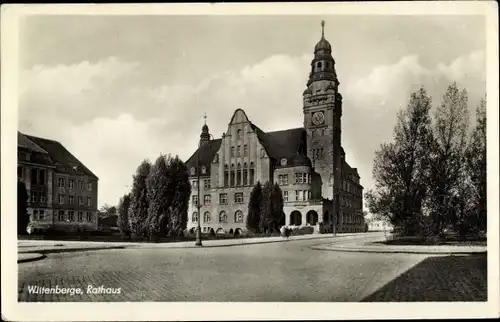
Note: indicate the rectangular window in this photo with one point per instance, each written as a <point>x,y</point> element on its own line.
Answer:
<point>238,197</point>
<point>71,184</point>
<point>34,176</point>
<point>80,216</point>
<point>60,217</point>
<point>41,174</point>
<point>309,178</point>
<point>305,177</point>
<point>251,177</point>
<point>195,200</point>
<point>61,199</point>
<point>238,178</point>
<point>89,216</point>
<point>283,179</point>
<point>245,177</point>
<point>71,215</point>
<point>245,150</point>
<point>238,151</point>
<point>223,198</point>
<point>206,183</point>
<point>297,195</point>
<point>41,215</point>
<point>80,200</point>
<point>42,197</point>
<point>35,214</point>
<point>232,151</point>
<point>33,196</point>
<point>89,186</point>
<point>194,184</point>
<point>60,182</point>
<point>207,200</point>
<point>232,178</point>
<point>89,201</point>
<point>299,178</point>
<point>226,178</point>
<point>81,184</point>
<point>309,195</point>
<point>71,200</point>
<point>285,195</point>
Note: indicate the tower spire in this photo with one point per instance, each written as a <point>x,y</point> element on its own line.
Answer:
<point>205,117</point>
<point>322,28</point>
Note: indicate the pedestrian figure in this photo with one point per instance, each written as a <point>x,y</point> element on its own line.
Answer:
<point>285,232</point>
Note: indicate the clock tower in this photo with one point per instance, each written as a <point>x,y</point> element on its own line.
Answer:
<point>322,112</point>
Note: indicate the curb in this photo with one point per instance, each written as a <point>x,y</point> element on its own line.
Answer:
<point>398,251</point>
<point>34,257</point>
<point>68,250</point>
<point>239,244</point>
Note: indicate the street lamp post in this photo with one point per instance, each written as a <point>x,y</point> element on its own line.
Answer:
<point>198,203</point>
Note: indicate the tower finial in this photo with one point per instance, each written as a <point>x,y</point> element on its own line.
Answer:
<point>205,117</point>
<point>322,28</point>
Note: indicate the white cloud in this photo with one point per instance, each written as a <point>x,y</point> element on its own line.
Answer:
<point>110,116</point>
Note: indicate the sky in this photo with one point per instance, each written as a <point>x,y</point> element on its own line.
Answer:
<point>116,90</point>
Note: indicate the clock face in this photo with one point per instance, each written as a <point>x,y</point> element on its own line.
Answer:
<point>318,118</point>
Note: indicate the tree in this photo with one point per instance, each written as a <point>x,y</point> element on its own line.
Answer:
<point>266,207</point>
<point>447,197</point>
<point>159,195</point>
<point>107,210</point>
<point>476,168</point>
<point>253,218</point>
<point>123,217</point>
<point>138,210</point>
<point>401,167</point>
<point>180,190</point>
<point>22,208</point>
<point>277,203</point>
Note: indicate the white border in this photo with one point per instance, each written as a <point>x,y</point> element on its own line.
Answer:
<point>235,311</point>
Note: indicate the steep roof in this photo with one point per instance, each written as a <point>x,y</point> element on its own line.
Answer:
<point>206,153</point>
<point>64,161</point>
<point>286,144</point>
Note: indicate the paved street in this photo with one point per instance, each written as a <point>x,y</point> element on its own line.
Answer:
<point>285,271</point>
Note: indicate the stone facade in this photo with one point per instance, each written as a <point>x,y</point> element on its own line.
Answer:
<point>62,191</point>
<point>300,160</point>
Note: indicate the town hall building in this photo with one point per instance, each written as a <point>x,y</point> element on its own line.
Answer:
<point>300,160</point>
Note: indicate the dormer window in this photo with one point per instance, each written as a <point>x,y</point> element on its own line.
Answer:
<point>216,158</point>
<point>283,162</point>
<point>193,171</point>
<point>203,169</point>
<point>262,152</point>
<point>238,136</point>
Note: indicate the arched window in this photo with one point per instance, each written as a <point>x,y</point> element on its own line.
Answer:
<point>251,164</point>
<point>207,218</point>
<point>239,135</point>
<point>226,166</point>
<point>216,158</point>
<point>223,217</point>
<point>195,217</point>
<point>193,171</point>
<point>238,216</point>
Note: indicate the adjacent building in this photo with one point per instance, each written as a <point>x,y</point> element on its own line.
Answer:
<point>62,191</point>
<point>300,160</point>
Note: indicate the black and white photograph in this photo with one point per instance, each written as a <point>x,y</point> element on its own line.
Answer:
<point>234,154</point>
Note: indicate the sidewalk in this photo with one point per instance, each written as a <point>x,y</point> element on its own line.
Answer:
<point>50,246</point>
<point>371,247</point>
<point>29,257</point>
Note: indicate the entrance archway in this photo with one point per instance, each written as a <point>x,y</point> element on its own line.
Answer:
<point>295,218</point>
<point>312,217</point>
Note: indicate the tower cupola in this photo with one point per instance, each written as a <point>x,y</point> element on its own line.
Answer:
<point>322,66</point>
<point>205,134</point>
